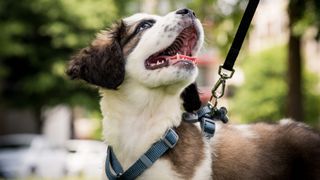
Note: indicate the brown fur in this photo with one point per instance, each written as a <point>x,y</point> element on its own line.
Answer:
<point>289,151</point>
<point>189,151</point>
<point>102,63</point>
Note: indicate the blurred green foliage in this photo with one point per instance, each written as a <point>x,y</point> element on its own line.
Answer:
<point>263,94</point>
<point>37,39</point>
<point>305,14</point>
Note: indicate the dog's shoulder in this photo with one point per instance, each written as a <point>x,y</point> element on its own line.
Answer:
<point>191,157</point>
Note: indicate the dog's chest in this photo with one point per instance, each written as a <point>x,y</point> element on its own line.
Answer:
<point>133,134</point>
<point>189,159</point>
<point>161,169</point>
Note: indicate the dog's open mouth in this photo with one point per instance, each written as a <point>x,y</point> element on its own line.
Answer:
<point>180,51</point>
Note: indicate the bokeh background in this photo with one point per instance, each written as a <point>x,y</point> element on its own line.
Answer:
<point>47,115</point>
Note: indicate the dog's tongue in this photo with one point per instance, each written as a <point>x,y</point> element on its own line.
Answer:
<point>183,57</point>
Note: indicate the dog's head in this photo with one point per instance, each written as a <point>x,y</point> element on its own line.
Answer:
<point>152,51</point>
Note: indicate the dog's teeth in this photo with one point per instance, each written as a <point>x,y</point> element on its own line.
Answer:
<point>178,56</point>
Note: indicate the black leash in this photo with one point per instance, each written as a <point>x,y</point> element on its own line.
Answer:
<point>208,114</point>
<point>226,70</point>
<point>240,35</point>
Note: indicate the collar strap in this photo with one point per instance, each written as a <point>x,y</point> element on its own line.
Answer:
<point>114,169</point>
<point>207,115</point>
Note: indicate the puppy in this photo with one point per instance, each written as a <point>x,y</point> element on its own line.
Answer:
<point>144,67</point>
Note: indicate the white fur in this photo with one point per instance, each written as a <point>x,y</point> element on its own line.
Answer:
<point>160,170</point>
<point>286,121</point>
<point>148,102</point>
<point>154,40</point>
<point>133,122</point>
<point>246,131</point>
<point>214,142</point>
<point>204,171</point>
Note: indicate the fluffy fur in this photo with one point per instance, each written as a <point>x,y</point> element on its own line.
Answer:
<point>139,105</point>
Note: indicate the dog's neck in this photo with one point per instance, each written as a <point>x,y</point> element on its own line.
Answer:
<point>135,118</point>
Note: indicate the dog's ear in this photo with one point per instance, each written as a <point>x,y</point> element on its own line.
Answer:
<point>102,63</point>
<point>191,98</point>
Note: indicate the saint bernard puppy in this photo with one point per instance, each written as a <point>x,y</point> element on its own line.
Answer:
<point>145,67</point>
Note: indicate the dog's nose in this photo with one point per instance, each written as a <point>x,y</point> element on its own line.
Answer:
<point>186,11</point>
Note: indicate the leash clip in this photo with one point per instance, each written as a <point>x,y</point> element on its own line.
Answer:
<point>220,86</point>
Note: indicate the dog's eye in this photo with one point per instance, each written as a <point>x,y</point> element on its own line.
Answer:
<point>145,25</point>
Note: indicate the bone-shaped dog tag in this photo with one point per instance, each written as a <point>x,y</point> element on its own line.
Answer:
<point>221,114</point>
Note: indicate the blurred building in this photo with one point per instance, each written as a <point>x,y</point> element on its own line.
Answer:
<point>270,25</point>
<point>57,125</point>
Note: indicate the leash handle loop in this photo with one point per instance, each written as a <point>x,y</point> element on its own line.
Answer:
<point>225,73</point>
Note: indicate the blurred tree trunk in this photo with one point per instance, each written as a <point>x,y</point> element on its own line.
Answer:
<point>294,107</point>
<point>294,101</point>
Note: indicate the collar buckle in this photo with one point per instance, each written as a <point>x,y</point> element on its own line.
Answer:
<point>170,138</point>
<point>208,127</point>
